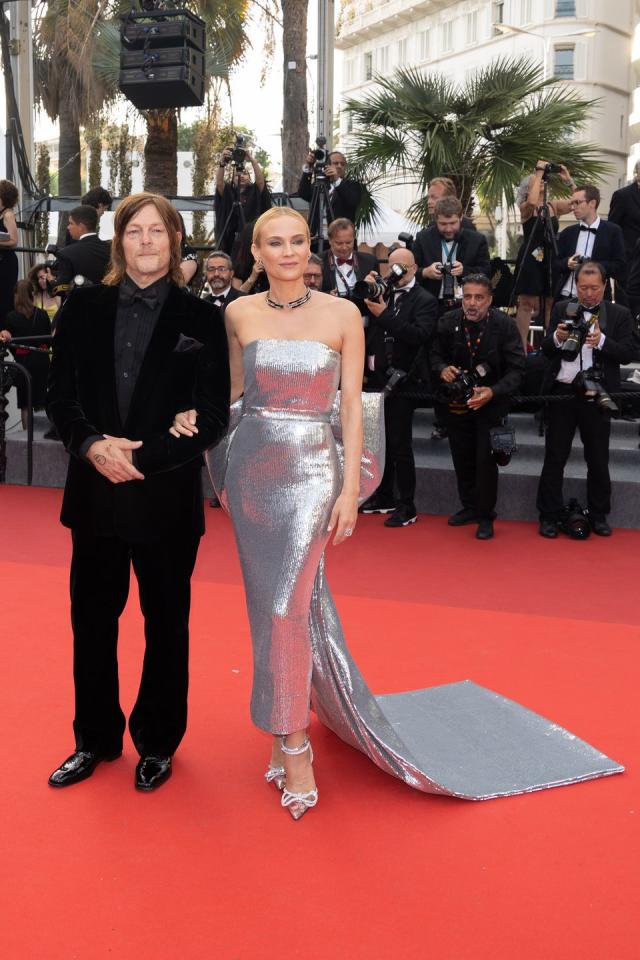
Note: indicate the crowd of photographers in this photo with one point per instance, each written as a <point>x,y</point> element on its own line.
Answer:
<point>433,335</point>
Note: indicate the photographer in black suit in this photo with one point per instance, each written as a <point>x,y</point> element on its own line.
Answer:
<point>345,194</point>
<point>485,343</point>
<point>591,238</point>
<point>604,341</point>
<point>133,493</point>
<point>624,210</point>
<point>342,264</point>
<point>86,256</point>
<point>400,330</point>
<point>445,253</point>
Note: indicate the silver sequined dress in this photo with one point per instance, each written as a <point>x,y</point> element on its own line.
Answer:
<point>279,473</point>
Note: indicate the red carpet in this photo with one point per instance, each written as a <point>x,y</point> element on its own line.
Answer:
<point>210,867</point>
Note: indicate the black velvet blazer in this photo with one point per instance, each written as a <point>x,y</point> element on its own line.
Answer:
<point>82,402</point>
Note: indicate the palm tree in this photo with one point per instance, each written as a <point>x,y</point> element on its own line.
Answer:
<point>485,134</point>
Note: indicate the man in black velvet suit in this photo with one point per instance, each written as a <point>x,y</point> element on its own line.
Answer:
<point>609,343</point>
<point>591,238</point>
<point>133,494</point>
<point>446,243</point>
<point>86,256</point>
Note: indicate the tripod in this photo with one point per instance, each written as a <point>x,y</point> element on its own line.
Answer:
<point>543,233</point>
<point>236,209</point>
<point>320,211</point>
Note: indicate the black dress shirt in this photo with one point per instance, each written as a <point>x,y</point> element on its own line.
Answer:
<point>136,318</point>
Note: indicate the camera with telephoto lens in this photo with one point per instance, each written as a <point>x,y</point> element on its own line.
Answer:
<point>575,521</point>
<point>321,155</point>
<point>588,384</point>
<point>381,286</point>
<point>449,283</point>
<point>578,329</point>
<point>461,389</point>
<point>238,153</point>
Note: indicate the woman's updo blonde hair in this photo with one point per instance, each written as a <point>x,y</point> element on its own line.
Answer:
<point>273,214</point>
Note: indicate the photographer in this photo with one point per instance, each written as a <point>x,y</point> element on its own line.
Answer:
<point>344,193</point>
<point>441,187</point>
<point>253,197</point>
<point>591,238</point>
<point>484,343</point>
<point>445,252</point>
<point>342,264</point>
<point>402,325</point>
<point>601,335</point>
<point>87,256</point>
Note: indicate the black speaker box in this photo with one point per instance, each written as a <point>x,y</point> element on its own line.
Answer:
<point>156,57</point>
<point>180,26</point>
<point>163,87</point>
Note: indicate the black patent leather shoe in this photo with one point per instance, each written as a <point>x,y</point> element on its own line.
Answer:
<point>600,527</point>
<point>151,772</point>
<point>548,529</point>
<point>404,516</point>
<point>485,529</point>
<point>79,766</point>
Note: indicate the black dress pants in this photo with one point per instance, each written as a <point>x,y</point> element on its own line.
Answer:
<point>474,464</point>
<point>100,572</point>
<point>595,428</point>
<point>399,464</point>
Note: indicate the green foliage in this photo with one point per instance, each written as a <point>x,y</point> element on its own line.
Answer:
<point>485,134</point>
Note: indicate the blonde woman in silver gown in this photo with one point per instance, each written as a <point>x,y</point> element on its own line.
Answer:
<point>290,488</point>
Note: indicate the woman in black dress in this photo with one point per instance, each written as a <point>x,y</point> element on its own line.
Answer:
<point>8,240</point>
<point>27,320</point>
<point>532,286</point>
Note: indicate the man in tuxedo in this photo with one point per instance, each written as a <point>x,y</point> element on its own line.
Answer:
<point>446,243</point>
<point>400,330</point>
<point>342,264</point>
<point>479,339</point>
<point>624,210</point>
<point>133,494</point>
<point>344,193</point>
<point>441,187</point>
<point>86,256</point>
<point>218,269</point>
<point>609,343</point>
<point>591,238</point>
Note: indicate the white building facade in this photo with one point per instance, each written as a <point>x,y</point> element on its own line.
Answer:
<point>592,45</point>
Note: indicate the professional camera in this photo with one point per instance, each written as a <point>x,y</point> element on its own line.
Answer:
<point>461,389</point>
<point>588,384</point>
<point>575,521</point>
<point>395,377</point>
<point>407,239</point>
<point>551,168</point>
<point>321,155</point>
<point>380,287</point>
<point>449,283</point>
<point>578,330</point>
<point>238,153</point>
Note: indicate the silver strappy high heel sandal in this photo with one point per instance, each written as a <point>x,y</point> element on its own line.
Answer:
<point>298,803</point>
<point>276,775</point>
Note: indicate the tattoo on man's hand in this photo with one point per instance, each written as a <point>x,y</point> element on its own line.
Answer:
<point>99,459</point>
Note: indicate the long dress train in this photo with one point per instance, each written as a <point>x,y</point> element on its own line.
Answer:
<point>278,473</point>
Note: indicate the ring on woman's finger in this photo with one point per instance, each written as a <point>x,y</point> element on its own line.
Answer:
<point>348,532</point>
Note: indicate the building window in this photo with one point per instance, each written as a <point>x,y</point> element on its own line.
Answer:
<point>472,27</point>
<point>382,60</point>
<point>565,8</point>
<point>498,16</point>
<point>368,66</point>
<point>423,44</point>
<point>447,36</point>
<point>526,11</point>
<point>563,67</point>
<point>403,51</point>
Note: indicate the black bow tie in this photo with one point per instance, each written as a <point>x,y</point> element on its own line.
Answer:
<point>588,229</point>
<point>150,299</point>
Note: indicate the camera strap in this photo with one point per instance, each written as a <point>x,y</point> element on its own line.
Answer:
<point>448,252</point>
